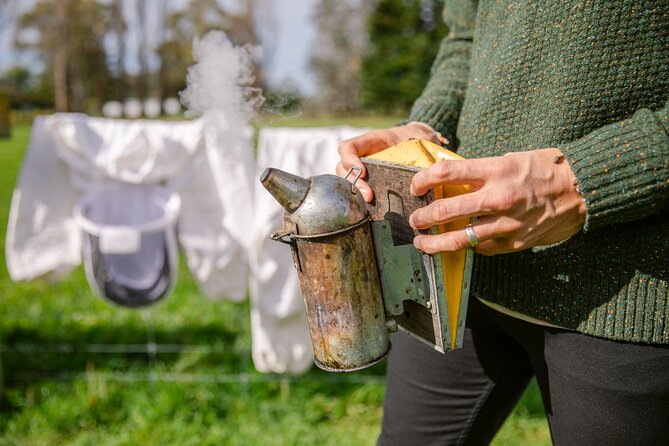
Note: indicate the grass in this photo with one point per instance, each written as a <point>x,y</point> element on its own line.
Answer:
<point>62,387</point>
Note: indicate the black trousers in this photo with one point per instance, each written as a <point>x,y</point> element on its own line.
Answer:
<point>595,391</point>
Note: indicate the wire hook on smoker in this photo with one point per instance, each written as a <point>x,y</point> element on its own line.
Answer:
<point>357,177</point>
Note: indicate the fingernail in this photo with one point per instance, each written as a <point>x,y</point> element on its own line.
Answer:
<point>411,221</point>
<point>416,243</point>
<point>366,193</point>
<point>412,190</point>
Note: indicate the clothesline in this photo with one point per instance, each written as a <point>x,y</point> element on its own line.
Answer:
<point>225,220</point>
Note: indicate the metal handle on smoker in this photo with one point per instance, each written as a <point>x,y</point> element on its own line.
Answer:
<point>283,236</point>
<point>357,177</point>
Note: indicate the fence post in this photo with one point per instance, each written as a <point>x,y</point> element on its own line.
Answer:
<point>2,374</point>
<point>5,129</point>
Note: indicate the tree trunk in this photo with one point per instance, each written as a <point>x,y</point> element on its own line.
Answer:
<point>159,74</point>
<point>119,30</point>
<point>60,86</point>
<point>142,76</point>
<point>5,129</point>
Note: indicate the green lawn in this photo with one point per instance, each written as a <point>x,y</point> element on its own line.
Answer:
<point>66,382</point>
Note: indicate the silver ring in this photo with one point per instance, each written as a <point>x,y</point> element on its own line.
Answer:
<point>473,239</point>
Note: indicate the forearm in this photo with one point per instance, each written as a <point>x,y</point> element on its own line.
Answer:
<point>441,101</point>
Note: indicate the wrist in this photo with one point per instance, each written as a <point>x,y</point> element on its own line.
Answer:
<point>570,189</point>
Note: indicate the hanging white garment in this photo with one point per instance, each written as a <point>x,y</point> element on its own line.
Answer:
<point>69,154</point>
<point>216,209</point>
<point>280,335</point>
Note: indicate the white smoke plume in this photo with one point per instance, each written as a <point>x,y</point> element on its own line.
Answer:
<point>221,79</point>
<point>219,87</point>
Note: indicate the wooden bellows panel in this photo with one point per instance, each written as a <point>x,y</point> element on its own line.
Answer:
<point>394,204</point>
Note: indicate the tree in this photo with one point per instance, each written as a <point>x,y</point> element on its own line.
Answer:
<point>119,27</point>
<point>25,89</point>
<point>404,39</point>
<point>70,40</point>
<point>338,52</point>
<point>18,79</point>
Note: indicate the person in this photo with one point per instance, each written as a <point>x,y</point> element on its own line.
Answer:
<point>561,111</point>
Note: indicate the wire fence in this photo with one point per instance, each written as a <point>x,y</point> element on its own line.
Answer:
<point>153,372</point>
<point>152,350</point>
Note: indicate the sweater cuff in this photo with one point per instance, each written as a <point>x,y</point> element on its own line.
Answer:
<point>621,171</point>
<point>439,113</point>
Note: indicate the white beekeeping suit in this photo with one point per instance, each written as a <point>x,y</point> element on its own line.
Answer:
<point>70,154</point>
<point>281,340</point>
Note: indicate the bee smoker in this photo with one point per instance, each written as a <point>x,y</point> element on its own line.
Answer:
<point>359,272</point>
<point>327,227</point>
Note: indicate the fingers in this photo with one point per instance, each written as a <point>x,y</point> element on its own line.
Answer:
<point>495,235</point>
<point>352,149</point>
<point>421,130</point>
<point>361,184</point>
<point>449,209</point>
<point>484,229</point>
<point>526,200</point>
<point>472,171</point>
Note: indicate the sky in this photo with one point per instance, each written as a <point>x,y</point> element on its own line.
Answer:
<point>285,29</point>
<point>295,33</point>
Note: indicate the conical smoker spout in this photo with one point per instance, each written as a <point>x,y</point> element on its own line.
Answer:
<point>288,189</point>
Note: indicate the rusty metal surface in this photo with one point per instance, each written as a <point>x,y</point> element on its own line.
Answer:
<point>327,226</point>
<point>342,294</point>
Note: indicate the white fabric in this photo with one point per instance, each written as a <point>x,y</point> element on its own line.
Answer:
<point>216,209</point>
<point>281,340</point>
<point>69,154</point>
<point>225,220</point>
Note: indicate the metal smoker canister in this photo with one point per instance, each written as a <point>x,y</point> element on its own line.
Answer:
<point>327,226</point>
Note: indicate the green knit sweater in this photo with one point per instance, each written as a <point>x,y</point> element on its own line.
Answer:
<point>592,78</point>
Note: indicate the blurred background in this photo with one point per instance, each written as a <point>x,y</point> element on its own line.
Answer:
<point>75,369</point>
<point>333,57</point>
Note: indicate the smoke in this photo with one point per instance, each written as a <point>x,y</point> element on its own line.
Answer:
<point>219,87</point>
<point>221,80</point>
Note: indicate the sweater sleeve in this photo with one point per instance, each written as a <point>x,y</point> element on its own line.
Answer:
<point>440,103</point>
<point>622,169</point>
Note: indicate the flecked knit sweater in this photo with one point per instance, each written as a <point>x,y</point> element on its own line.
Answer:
<point>592,78</point>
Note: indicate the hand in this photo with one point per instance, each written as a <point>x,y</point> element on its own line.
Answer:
<point>522,199</point>
<point>352,149</point>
